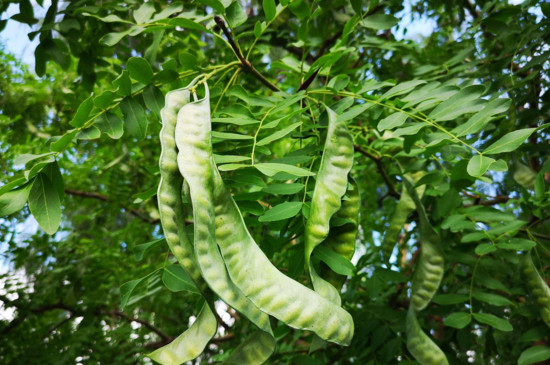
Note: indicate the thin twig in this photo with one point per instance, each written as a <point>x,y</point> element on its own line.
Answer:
<point>245,64</point>
<point>380,166</point>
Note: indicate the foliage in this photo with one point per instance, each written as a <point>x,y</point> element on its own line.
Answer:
<point>450,143</point>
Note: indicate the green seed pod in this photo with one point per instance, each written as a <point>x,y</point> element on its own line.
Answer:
<point>330,186</point>
<point>342,239</point>
<point>269,289</point>
<point>538,286</point>
<point>424,350</point>
<point>430,267</point>
<point>195,161</point>
<point>192,342</point>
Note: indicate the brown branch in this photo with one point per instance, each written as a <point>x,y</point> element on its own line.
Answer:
<point>245,64</point>
<point>146,324</point>
<point>104,198</point>
<point>495,200</point>
<point>380,166</point>
<point>309,80</point>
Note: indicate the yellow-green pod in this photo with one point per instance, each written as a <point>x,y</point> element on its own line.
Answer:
<point>537,285</point>
<point>192,342</point>
<point>423,349</point>
<point>195,161</point>
<point>330,186</point>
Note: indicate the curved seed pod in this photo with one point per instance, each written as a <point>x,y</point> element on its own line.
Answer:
<point>169,191</point>
<point>424,350</point>
<point>342,239</point>
<point>397,221</point>
<point>272,291</point>
<point>430,267</point>
<point>330,186</point>
<point>538,286</point>
<point>195,160</point>
<point>399,218</point>
<point>190,343</point>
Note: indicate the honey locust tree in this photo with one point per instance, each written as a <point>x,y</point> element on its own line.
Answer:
<point>447,203</point>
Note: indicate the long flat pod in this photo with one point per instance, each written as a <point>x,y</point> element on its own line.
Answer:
<point>330,186</point>
<point>430,267</point>
<point>399,217</point>
<point>538,286</point>
<point>272,291</point>
<point>192,342</point>
<point>342,239</point>
<point>194,161</point>
<point>424,350</point>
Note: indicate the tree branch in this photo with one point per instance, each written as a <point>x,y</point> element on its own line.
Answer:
<point>380,166</point>
<point>104,198</point>
<point>245,64</point>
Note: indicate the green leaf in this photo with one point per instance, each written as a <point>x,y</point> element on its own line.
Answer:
<point>135,118</point>
<point>493,299</point>
<point>509,142</point>
<point>494,321</point>
<point>379,21</point>
<point>229,158</point>
<point>44,204</point>
<point>516,244</point>
<point>123,83</point>
<point>465,101</point>
<point>154,99</point>
<point>62,143</point>
<point>479,164</point>
<point>140,70</point>
<point>230,136</point>
<point>480,119</point>
<point>484,249</point>
<point>141,249</point>
<point>271,169</point>
<point>54,174</point>
<point>284,189</point>
<point>173,8</point>
<point>128,288</point>
<point>402,88</point>
<point>534,355</point>
<point>214,4</point>
<point>282,211</point>
<point>449,299</point>
<point>232,166</point>
<point>176,279</point>
<point>144,12</point>
<point>110,124</point>
<point>392,121</point>
<point>278,134</point>
<point>104,100</point>
<point>458,320</point>
<point>338,263</point>
<point>14,200</point>
<point>82,113</point>
<point>26,157</point>
<point>270,9</point>
<point>235,14</point>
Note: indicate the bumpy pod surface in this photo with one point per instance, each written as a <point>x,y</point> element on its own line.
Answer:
<point>402,210</point>
<point>424,350</point>
<point>430,267</point>
<point>330,186</point>
<point>341,239</point>
<point>272,291</point>
<point>537,285</point>
<point>192,342</point>
<point>195,161</point>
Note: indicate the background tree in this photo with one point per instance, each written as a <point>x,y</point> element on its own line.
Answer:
<point>450,112</point>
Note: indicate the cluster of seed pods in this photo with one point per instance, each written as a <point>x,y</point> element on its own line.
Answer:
<point>224,261</point>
